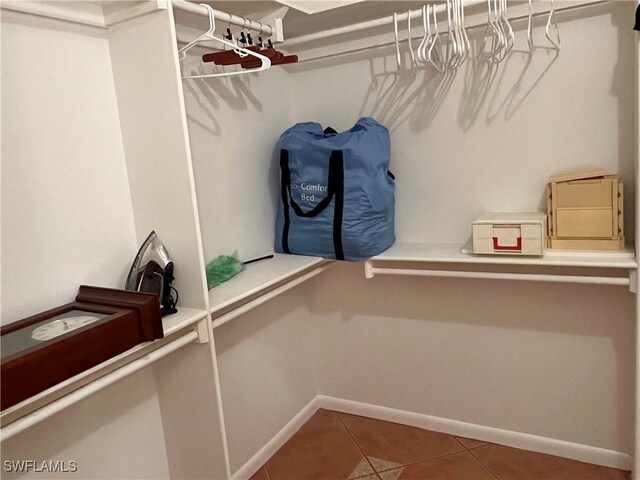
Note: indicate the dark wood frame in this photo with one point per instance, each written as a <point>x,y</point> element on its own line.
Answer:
<point>132,318</point>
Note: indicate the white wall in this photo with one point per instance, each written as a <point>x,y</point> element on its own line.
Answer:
<point>534,358</point>
<point>66,210</point>
<point>234,124</point>
<point>267,360</point>
<point>114,434</point>
<point>154,127</point>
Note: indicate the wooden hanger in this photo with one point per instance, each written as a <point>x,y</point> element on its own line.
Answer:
<point>281,61</point>
<point>230,57</point>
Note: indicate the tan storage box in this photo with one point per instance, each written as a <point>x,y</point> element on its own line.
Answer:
<point>585,211</point>
<point>510,233</point>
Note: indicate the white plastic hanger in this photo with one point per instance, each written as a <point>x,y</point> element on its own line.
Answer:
<point>452,46</point>
<point>509,32</point>
<point>438,62</point>
<point>429,37</point>
<point>457,35</point>
<point>497,20</point>
<point>496,38</point>
<point>552,18</point>
<point>530,28</point>
<point>463,39</point>
<point>208,36</point>
<point>414,64</point>
<point>395,32</point>
<point>467,43</point>
<point>456,56</point>
<point>421,51</point>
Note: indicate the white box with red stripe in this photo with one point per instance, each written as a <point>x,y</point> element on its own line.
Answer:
<point>510,233</point>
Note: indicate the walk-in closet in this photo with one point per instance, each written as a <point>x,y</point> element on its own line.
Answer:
<point>115,124</point>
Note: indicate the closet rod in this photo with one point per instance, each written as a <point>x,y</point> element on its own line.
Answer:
<point>93,387</point>
<point>402,17</point>
<point>233,19</point>
<point>531,277</point>
<point>591,3</point>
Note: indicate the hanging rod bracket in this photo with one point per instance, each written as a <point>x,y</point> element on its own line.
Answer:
<point>279,30</point>
<point>201,330</point>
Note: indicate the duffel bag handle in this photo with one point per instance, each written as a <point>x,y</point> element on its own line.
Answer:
<point>336,172</point>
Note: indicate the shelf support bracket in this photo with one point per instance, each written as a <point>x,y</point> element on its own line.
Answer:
<point>633,281</point>
<point>368,269</point>
<point>201,330</point>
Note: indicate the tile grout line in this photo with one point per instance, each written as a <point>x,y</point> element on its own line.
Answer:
<point>471,448</point>
<point>462,444</point>
<point>475,458</point>
<point>355,442</point>
<point>485,466</point>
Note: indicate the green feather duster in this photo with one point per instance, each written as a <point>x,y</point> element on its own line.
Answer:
<point>222,269</point>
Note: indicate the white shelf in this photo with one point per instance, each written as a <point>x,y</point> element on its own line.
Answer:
<point>260,282</point>
<point>452,253</point>
<point>449,260</point>
<point>184,318</point>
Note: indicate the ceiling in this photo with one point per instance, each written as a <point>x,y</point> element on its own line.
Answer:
<point>316,6</point>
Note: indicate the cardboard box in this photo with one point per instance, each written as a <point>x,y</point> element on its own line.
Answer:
<point>585,211</point>
<point>510,233</point>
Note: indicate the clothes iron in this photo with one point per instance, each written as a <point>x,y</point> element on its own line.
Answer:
<point>152,271</point>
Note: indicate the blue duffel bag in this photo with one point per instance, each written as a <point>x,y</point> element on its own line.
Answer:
<point>337,193</point>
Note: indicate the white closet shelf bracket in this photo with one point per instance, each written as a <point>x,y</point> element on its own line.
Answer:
<point>95,386</point>
<point>633,281</point>
<point>276,31</point>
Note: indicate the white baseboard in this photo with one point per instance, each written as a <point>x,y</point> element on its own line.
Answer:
<point>525,441</point>
<point>272,446</point>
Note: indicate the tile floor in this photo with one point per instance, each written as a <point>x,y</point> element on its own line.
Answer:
<point>338,446</point>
